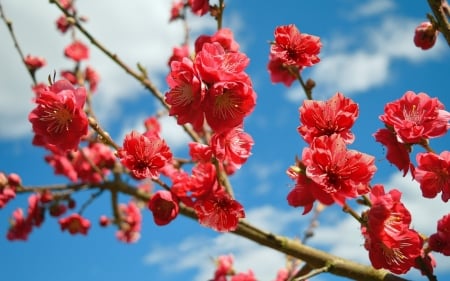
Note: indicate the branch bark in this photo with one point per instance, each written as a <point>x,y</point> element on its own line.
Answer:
<point>441,13</point>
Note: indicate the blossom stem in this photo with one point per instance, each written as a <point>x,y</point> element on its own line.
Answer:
<point>441,12</point>
<point>346,208</point>
<point>308,91</point>
<point>105,136</point>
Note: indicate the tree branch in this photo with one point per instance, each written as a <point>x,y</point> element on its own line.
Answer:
<point>441,12</point>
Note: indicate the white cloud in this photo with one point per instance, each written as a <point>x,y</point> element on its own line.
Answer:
<point>351,72</point>
<point>134,35</point>
<point>373,7</point>
<point>368,66</point>
<point>194,252</point>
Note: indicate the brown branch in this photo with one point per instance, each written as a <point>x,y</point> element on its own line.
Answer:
<point>441,13</point>
<point>314,257</point>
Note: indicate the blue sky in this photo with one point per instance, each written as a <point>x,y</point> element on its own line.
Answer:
<point>367,54</point>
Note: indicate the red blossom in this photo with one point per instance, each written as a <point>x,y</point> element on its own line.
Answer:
<point>280,72</point>
<point>391,243</point>
<point>215,64</point>
<point>244,276</point>
<point>33,63</point>
<point>186,94</point>
<point>59,118</point>
<point>144,156</point>
<point>200,152</point>
<point>440,241</point>
<point>152,126</point>
<point>295,48</point>
<point>416,117</point>
<point>175,10</point>
<point>396,254</point>
<point>425,35</point>
<point>20,227</point>
<point>92,77</point>
<point>433,174</point>
<point>219,212</point>
<point>97,154</point>
<point>62,24</point>
<point>130,223</point>
<point>164,206</point>
<point>341,173</point>
<point>35,210</point>
<point>227,104</point>
<point>69,76</point>
<point>397,152</point>
<point>61,161</point>
<point>77,51</point>
<point>302,194</point>
<point>8,185</point>
<point>178,53</point>
<point>224,267</point>
<point>75,224</point>
<point>199,7</point>
<point>57,210</point>
<point>232,148</point>
<point>223,36</point>
<point>325,118</point>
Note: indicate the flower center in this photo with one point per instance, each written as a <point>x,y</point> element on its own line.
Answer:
<point>413,114</point>
<point>58,119</point>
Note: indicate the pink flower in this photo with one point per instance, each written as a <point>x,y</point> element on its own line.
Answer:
<point>215,64</point>
<point>35,210</point>
<point>325,118</point>
<point>440,241</point>
<point>219,212</point>
<point>75,224</point>
<point>224,267</point>
<point>92,77</point>
<point>164,206</point>
<point>280,72</point>
<point>341,173</point>
<point>232,148</point>
<point>200,152</point>
<point>59,118</point>
<point>143,155</point>
<point>223,36</point>
<point>425,35</point>
<point>199,7</point>
<point>433,174</point>
<point>77,51</point>
<point>186,94</point>
<point>397,152</point>
<point>416,117</point>
<point>62,24</point>
<point>295,48</point>
<point>69,76</point>
<point>244,276</point>
<point>305,192</point>
<point>388,238</point>
<point>130,223</point>
<point>20,227</point>
<point>8,185</point>
<point>227,104</point>
<point>33,63</point>
<point>176,9</point>
<point>179,53</point>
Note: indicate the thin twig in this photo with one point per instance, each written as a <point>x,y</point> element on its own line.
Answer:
<point>9,24</point>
